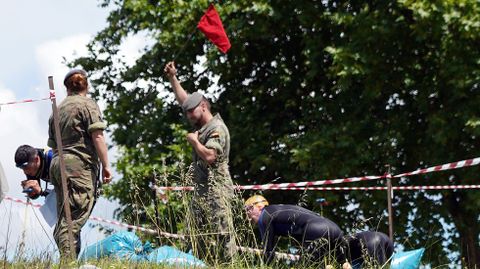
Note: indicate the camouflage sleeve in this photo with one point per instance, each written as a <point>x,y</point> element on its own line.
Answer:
<point>51,134</point>
<point>93,117</point>
<point>216,141</point>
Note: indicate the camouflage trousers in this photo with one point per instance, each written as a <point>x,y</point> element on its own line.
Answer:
<point>211,222</point>
<point>81,197</point>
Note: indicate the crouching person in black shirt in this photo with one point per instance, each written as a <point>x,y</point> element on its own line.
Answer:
<point>321,239</point>
<point>372,248</point>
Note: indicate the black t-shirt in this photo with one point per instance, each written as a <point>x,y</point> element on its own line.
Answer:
<point>44,169</point>
<point>302,224</point>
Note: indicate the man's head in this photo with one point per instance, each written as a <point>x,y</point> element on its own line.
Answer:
<point>254,206</point>
<point>197,109</point>
<point>27,159</point>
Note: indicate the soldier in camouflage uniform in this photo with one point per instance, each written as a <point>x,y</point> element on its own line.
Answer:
<point>213,195</point>
<point>84,148</point>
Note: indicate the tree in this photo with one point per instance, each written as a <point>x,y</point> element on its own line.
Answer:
<point>311,90</point>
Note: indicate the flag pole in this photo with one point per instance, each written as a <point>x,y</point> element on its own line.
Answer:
<point>179,51</point>
<point>389,203</point>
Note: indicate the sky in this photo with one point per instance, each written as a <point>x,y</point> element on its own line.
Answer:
<point>36,36</point>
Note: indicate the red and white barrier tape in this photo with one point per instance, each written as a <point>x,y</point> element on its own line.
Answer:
<point>21,201</point>
<point>443,167</point>
<point>373,188</point>
<point>280,186</point>
<point>307,183</point>
<point>381,188</point>
<point>26,101</point>
<point>179,188</point>
<point>293,185</point>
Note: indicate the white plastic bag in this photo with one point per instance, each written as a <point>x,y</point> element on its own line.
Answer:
<point>49,208</point>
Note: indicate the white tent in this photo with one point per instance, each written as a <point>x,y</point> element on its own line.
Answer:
<point>3,183</point>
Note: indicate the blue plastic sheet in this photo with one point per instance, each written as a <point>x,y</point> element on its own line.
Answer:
<point>122,245</point>
<point>127,246</point>
<point>407,260</point>
<point>172,256</point>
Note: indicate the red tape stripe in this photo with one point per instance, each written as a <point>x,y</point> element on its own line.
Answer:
<point>24,101</point>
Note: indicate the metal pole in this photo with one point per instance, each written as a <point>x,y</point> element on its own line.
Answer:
<point>389,199</point>
<point>21,246</point>
<point>155,206</point>
<point>58,140</point>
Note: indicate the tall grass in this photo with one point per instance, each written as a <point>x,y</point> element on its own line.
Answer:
<point>177,216</point>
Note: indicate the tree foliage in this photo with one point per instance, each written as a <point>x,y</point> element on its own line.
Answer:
<point>311,90</point>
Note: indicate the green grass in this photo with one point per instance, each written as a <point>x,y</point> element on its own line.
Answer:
<point>176,215</point>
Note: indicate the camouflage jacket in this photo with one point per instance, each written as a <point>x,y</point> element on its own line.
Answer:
<point>213,135</point>
<point>79,116</point>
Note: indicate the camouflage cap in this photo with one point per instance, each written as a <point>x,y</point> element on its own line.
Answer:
<point>73,72</point>
<point>192,101</point>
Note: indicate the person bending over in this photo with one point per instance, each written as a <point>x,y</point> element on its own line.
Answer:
<point>318,236</point>
<point>370,247</point>
<point>35,163</point>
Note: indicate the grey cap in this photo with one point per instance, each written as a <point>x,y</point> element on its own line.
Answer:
<point>73,72</point>
<point>192,101</point>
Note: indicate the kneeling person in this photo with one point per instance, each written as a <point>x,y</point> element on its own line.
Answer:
<point>375,247</point>
<point>318,236</point>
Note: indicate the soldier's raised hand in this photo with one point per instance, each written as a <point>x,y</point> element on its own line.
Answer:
<point>170,70</point>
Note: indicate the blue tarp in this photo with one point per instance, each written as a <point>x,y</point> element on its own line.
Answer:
<point>127,246</point>
<point>407,260</point>
<point>122,245</point>
<point>172,256</point>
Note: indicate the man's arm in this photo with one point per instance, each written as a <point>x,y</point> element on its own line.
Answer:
<point>101,147</point>
<point>171,72</point>
<point>269,238</point>
<point>207,154</point>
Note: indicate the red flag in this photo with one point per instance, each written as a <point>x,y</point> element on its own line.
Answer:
<point>211,25</point>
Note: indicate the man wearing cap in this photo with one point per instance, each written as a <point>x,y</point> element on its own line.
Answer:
<point>84,155</point>
<point>213,193</point>
<point>35,163</point>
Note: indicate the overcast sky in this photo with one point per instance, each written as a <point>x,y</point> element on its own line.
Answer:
<point>36,36</point>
